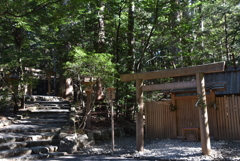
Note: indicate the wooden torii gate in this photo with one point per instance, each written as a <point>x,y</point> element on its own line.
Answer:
<point>199,71</point>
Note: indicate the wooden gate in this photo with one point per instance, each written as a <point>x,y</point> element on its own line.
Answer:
<point>224,118</point>
<point>160,122</point>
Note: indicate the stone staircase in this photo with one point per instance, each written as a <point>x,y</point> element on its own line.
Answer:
<point>34,135</point>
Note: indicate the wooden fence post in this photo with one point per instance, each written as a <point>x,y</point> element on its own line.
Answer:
<point>203,115</point>
<point>111,96</point>
<point>88,108</point>
<point>139,114</point>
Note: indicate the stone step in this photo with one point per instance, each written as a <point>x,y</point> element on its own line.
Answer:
<point>51,111</point>
<point>15,145</point>
<point>45,113</point>
<point>32,127</point>
<point>53,107</point>
<point>44,98</point>
<point>34,135</point>
<point>27,136</point>
<point>14,152</point>
<point>55,104</point>
<point>47,102</point>
<point>46,120</point>
<point>37,156</point>
<point>48,116</point>
<point>27,151</point>
<point>44,149</point>
<point>5,123</point>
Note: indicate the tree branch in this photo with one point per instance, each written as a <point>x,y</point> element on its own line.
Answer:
<point>38,7</point>
<point>150,35</point>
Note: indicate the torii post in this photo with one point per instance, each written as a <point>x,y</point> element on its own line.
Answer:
<point>199,71</point>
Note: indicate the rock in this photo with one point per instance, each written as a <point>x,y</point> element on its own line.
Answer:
<point>106,134</point>
<point>82,140</point>
<point>97,135</point>
<point>71,121</point>
<point>119,132</point>
<point>91,140</point>
<point>68,143</point>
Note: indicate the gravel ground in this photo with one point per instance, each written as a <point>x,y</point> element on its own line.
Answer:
<point>167,149</point>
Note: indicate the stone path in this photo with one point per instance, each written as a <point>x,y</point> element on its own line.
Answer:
<point>167,149</point>
<point>35,135</point>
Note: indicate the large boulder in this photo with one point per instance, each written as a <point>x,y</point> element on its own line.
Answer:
<point>106,134</point>
<point>70,143</point>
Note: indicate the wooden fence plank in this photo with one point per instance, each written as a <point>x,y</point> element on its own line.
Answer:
<point>146,121</point>
<point>158,124</point>
<point>235,116</point>
<point>227,117</point>
<point>162,121</point>
<point>223,116</point>
<point>218,114</point>
<point>155,121</point>
<point>219,134</point>
<point>231,117</point>
<point>166,122</point>
<point>238,116</point>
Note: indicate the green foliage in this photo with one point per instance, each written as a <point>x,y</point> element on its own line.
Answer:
<point>76,35</point>
<point>172,107</point>
<point>93,65</point>
<point>3,98</point>
<point>200,102</point>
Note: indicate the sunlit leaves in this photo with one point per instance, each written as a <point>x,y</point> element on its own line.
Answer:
<point>97,65</point>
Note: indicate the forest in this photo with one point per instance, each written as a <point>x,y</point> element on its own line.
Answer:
<point>106,38</point>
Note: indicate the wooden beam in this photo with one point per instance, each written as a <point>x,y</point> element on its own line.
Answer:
<point>203,115</point>
<point>178,85</point>
<point>168,86</point>
<point>139,114</point>
<point>209,68</point>
<point>193,90</point>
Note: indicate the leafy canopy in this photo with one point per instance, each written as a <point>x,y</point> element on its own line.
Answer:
<point>97,65</point>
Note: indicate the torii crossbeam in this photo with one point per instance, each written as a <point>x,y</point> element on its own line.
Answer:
<point>199,71</point>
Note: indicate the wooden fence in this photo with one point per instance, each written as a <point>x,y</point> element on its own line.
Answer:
<point>224,122</point>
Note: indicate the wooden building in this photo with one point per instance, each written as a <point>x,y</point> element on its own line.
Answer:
<point>167,119</point>
<point>163,121</point>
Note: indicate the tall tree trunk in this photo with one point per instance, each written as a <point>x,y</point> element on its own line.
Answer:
<point>226,36</point>
<point>22,84</point>
<point>117,50</point>
<point>131,39</point>
<point>174,19</point>
<point>99,44</point>
<point>18,40</point>
<point>201,28</point>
